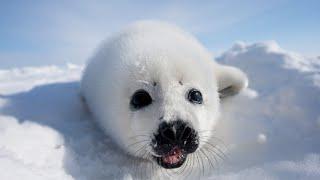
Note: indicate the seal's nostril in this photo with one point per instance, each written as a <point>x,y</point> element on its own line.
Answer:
<point>186,133</point>
<point>169,134</point>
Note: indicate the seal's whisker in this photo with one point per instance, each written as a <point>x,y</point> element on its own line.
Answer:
<point>137,143</point>
<point>207,157</point>
<point>139,135</point>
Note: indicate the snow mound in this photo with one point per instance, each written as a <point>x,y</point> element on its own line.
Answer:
<point>23,79</point>
<point>276,121</point>
<point>272,129</point>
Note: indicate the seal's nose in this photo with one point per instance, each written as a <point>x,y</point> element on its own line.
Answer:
<point>175,130</point>
<point>176,134</point>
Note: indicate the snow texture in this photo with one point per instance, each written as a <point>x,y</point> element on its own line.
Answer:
<point>272,129</point>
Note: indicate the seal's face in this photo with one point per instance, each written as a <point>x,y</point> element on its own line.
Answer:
<point>155,90</point>
<point>173,110</point>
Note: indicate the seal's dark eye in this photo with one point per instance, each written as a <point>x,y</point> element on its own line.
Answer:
<point>195,96</point>
<point>140,99</point>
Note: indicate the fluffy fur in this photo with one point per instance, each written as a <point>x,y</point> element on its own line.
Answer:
<point>167,62</point>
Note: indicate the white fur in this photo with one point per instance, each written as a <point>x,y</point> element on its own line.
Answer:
<point>148,52</point>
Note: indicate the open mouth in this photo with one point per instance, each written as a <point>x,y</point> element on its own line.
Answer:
<point>174,159</point>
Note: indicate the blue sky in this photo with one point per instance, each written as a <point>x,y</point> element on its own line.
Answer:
<point>34,33</point>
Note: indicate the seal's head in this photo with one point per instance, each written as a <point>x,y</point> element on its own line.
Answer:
<point>156,90</point>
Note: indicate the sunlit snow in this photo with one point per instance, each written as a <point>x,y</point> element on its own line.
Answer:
<point>272,129</point>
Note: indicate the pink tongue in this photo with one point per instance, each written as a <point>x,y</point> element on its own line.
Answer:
<point>173,157</point>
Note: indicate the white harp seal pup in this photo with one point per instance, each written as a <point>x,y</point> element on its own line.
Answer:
<point>156,91</point>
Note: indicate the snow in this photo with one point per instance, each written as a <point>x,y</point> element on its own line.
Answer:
<point>272,129</point>
<point>262,138</point>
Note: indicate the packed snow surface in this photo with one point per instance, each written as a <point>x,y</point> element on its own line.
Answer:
<point>272,129</point>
